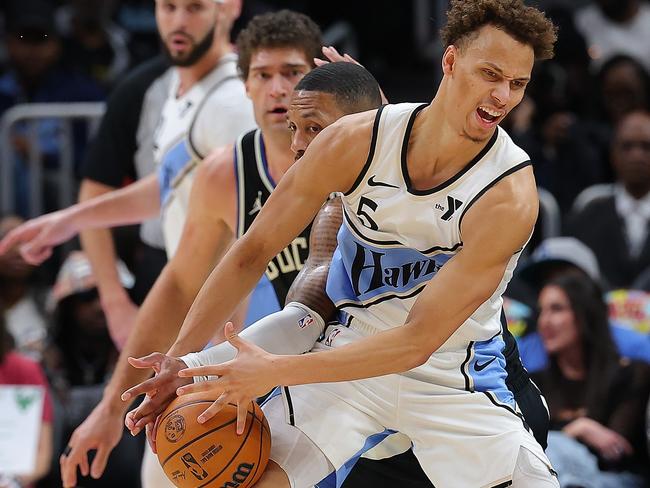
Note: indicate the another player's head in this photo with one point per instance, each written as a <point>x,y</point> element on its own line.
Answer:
<point>491,48</point>
<point>275,51</point>
<point>325,95</point>
<point>187,28</point>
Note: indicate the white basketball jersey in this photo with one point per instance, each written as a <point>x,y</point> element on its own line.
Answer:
<point>395,238</point>
<point>212,113</point>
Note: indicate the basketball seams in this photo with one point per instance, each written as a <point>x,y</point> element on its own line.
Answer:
<point>243,449</point>
<point>241,446</point>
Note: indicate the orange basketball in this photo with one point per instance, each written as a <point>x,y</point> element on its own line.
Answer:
<point>211,454</point>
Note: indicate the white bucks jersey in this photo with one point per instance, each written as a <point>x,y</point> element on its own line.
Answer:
<point>395,238</point>
<point>212,113</point>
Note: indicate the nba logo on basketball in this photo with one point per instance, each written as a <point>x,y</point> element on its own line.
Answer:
<point>306,321</point>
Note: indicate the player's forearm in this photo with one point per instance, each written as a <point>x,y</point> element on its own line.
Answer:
<point>230,282</point>
<point>129,205</point>
<point>157,325</point>
<point>393,351</point>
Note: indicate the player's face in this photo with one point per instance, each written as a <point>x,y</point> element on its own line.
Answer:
<point>309,113</point>
<point>272,74</point>
<point>486,80</point>
<point>556,323</point>
<point>186,28</point>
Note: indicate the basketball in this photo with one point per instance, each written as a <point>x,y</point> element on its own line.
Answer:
<point>208,455</point>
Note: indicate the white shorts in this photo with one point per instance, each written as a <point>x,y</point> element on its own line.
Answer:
<point>461,439</point>
<point>152,474</point>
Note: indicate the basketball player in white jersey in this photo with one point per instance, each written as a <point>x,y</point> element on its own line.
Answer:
<point>438,204</point>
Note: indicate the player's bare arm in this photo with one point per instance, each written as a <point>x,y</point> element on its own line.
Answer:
<point>503,217</point>
<point>154,330</point>
<point>129,205</point>
<point>326,167</point>
<point>207,234</point>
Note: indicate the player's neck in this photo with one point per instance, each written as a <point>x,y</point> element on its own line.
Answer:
<point>277,144</point>
<point>428,168</point>
<point>190,75</point>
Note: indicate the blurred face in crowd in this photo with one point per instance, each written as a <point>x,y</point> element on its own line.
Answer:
<point>88,313</point>
<point>631,153</point>
<point>624,90</point>
<point>556,323</point>
<point>486,76</point>
<point>12,266</point>
<point>272,75</point>
<point>186,28</point>
<point>309,113</point>
<point>32,52</point>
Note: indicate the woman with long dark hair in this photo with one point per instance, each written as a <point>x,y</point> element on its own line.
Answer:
<point>596,399</point>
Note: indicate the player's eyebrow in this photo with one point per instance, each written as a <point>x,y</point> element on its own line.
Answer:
<point>500,71</point>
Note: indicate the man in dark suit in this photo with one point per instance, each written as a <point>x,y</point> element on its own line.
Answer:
<point>615,227</point>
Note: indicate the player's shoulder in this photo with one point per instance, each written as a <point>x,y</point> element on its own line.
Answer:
<point>352,126</point>
<point>217,171</point>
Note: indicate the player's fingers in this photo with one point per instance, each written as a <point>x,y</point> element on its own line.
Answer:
<point>99,463</point>
<point>320,62</point>
<point>211,370</point>
<point>350,59</point>
<point>35,255</point>
<point>149,361</point>
<point>242,413</point>
<point>10,240</point>
<point>213,409</point>
<point>149,387</point>
<point>147,419</point>
<point>84,469</point>
<point>68,469</point>
<point>201,386</point>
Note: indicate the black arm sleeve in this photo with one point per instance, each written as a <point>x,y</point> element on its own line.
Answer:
<point>109,158</point>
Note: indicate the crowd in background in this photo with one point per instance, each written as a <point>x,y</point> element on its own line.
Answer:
<point>579,304</point>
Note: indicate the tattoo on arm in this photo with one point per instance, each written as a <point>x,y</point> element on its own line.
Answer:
<point>309,286</point>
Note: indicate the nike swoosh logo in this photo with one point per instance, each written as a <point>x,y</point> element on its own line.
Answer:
<point>372,182</point>
<point>481,367</point>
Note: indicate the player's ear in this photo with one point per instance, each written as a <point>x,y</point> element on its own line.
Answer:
<point>449,59</point>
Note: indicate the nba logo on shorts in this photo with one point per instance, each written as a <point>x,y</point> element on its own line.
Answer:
<point>306,321</point>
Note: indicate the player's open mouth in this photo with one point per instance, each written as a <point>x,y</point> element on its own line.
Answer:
<point>279,110</point>
<point>489,116</point>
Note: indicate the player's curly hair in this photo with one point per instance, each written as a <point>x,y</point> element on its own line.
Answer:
<point>283,28</point>
<point>527,25</point>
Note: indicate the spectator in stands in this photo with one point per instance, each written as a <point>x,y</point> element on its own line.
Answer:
<point>555,257</point>
<point>92,42</point>
<point>613,27</point>
<point>16,369</point>
<point>20,299</point>
<point>35,74</point>
<point>79,360</point>
<point>596,398</point>
<point>616,227</point>
<point>624,87</point>
<point>84,352</point>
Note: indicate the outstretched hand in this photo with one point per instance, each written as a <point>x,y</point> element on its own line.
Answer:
<point>36,238</point>
<point>160,390</point>
<point>248,376</point>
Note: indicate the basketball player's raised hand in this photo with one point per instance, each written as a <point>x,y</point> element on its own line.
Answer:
<point>38,236</point>
<point>160,390</point>
<point>101,431</point>
<point>240,381</point>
